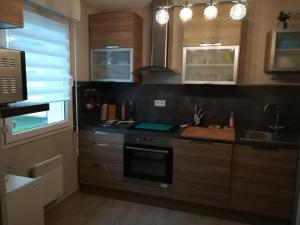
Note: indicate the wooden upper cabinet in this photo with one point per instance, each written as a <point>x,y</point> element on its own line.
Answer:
<point>124,29</point>
<point>11,14</point>
<point>121,29</point>
<point>222,30</point>
<point>263,181</point>
<point>201,172</point>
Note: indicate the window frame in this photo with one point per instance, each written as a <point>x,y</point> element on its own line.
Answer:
<point>9,137</point>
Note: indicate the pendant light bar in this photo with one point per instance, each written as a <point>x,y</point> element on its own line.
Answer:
<point>237,12</point>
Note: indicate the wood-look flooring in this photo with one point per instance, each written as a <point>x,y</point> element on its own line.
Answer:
<point>83,209</point>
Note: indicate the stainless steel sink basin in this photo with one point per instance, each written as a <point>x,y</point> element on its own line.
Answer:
<point>268,137</point>
<point>257,135</point>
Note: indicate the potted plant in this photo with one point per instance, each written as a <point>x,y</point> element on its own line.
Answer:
<point>283,17</point>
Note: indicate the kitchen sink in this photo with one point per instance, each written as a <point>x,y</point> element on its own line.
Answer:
<point>257,136</point>
<point>268,137</point>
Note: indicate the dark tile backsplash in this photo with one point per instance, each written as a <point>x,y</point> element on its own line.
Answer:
<point>217,101</point>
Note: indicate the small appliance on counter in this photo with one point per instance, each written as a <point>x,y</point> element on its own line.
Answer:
<point>13,87</point>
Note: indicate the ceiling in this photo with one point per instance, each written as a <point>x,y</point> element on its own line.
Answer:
<point>117,3</point>
<point>133,3</point>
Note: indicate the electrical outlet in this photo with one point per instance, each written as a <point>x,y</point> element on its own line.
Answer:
<point>160,103</point>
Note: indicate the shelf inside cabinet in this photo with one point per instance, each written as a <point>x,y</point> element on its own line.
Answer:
<point>98,64</point>
<point>210,65</point>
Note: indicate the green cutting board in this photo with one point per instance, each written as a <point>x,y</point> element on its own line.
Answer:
<point>154,126</point>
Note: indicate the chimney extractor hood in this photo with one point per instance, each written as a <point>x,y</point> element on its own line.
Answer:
<point>159,42</point>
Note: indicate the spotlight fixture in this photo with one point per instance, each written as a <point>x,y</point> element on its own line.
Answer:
<point>238,11</point>
<point>162,16</point>
<point>211,11</point>
<point>186,14</point>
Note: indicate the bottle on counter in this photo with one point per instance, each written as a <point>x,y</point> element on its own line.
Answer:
<point>131,111</point>
<point>232,120</point>
<point>112,112</point>
<point>103,115</point>
<point>123,111</point>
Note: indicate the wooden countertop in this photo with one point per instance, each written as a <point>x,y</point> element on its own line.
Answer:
<point>210,134</point>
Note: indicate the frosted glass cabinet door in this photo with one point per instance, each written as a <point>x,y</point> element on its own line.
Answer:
<point>210,65</point>
<point>112,64</point>
<point>287,51</point>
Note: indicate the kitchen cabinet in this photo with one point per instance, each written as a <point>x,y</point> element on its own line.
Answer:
<point>123,30</point>
<point>263,180</point>
<point>11,14</point>
<point>222,30</point>
<point>210,65</point>
<point>101,159</point>
<point>201,172</point>
<point>112,64</point>
<point>282,51</point>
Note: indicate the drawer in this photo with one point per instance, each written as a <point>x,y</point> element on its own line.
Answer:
<point>101,137</point>
<point>103,155</point>
<point>99,172</point>
<point>100,147</point>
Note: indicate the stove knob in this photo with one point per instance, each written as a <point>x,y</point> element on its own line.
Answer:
<point>137,140</point>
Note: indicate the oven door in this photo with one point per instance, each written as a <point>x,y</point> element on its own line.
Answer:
<point>149,163</point>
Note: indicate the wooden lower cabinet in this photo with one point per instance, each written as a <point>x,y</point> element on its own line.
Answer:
<point>263,181</point>
<point>256,181</point>
<point>101,165</point>
<point>202,172</point>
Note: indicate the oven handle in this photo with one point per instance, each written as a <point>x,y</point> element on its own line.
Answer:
<point>147,150</point>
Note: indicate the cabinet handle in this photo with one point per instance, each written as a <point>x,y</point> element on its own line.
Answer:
<point>262,148</point>
<point>99,132</point>
<point>100,144</point>
<point>203,142</point>
<point>111,46</point>
<point>99,165</point>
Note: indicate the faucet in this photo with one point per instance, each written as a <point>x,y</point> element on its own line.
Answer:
<point>275,127</point>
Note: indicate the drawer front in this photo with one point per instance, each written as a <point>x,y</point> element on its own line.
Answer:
<point>100,147</point>
<point>101,137</point>
<point>107,153</point>
<point>103,168</point>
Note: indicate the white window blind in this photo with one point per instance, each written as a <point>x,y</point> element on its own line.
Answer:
<point>47,49</point>
<point>46,43</point>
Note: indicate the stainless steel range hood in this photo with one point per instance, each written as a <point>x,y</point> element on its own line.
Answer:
<point>159,45</point>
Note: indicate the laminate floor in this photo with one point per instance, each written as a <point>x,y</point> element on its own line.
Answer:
<point>83,209</point>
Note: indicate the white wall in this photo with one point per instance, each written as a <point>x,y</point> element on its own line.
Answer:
<point>22,157</point>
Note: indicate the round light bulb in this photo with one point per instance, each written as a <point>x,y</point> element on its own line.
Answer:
<point>162,16</point>
<point>211,12</point>
<point>186,14</point>
<point>238,11</point>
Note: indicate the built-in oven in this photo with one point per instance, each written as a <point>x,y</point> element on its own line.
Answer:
<point>148,160</point>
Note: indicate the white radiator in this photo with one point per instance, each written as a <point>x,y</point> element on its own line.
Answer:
<point>50,173</point>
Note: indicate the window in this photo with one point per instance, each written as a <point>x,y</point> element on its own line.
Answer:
<point>46,43</point>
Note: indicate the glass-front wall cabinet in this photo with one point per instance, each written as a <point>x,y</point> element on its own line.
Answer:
<point>210,65</point>
<point>283,51</point>
<point>112,64</point>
